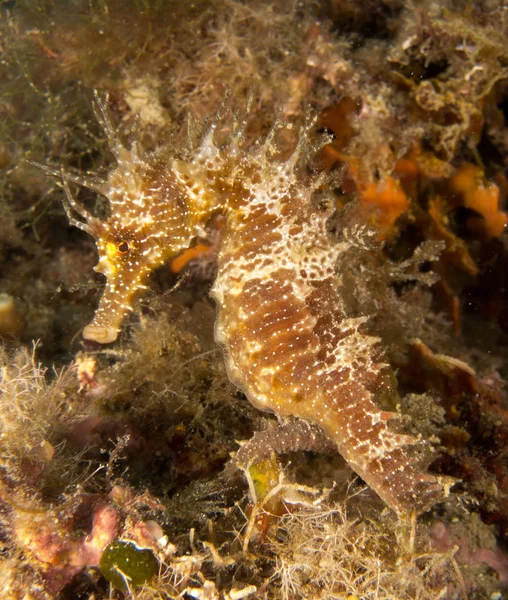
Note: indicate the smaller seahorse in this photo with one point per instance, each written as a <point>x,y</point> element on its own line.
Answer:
<point>288,340</point>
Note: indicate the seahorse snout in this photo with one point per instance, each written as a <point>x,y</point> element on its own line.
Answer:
<point>100,334</point>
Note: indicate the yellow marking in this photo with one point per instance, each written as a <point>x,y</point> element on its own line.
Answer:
<point>112,253</point>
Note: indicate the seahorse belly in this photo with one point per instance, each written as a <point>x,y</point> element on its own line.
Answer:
<point>292,350</point>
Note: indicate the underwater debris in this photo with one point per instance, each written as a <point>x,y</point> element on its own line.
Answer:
<point>448,375</point>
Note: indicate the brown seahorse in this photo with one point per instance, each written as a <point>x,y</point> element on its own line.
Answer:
<point>289,343</point>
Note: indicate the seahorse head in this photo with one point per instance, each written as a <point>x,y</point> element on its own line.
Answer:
<point>149,222</point>
<point>158,201</point>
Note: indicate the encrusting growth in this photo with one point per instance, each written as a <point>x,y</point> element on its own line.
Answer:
<point>289,343</point>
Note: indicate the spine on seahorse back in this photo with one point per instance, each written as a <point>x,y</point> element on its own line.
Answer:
<point>289,344</point>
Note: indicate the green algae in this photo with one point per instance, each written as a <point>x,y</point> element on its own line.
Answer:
<point>125,565</point>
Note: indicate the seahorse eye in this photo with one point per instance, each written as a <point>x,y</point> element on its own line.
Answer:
<point>123,247</point>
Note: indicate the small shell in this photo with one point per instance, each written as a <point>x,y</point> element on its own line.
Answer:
<point>11,322</point>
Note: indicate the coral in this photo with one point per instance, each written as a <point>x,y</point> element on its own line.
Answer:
<point>49,537</point>
<point>472,545</point>
<point>382,204</point>
<point>196,252</point>
<point>481,197</point>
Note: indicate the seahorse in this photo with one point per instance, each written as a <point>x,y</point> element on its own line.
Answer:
<point>288,341</point>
